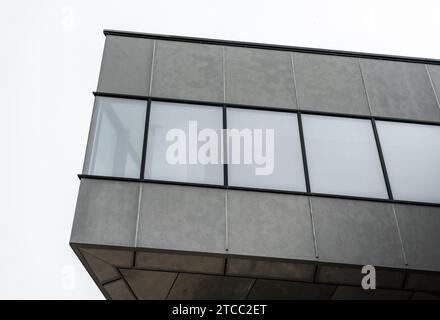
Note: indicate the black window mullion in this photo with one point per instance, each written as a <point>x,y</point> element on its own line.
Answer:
<point>382,160</point>
<point>303,152</point>
<point>225,148</point>
<point>144,146</point>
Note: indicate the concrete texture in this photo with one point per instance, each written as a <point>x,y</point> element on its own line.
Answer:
<point>270,225</point>
<point>259,77</point>
<point>126,65</point>
<point>273,289</point>
<point>434,74</point>
<point>400,90</point>
<point>182,218</point>
<point>117,258</point>
<point>118,290</point>
<point>330,83</point>
<point>270,269</point>
<point>357,232</point>
<point>423,281</point>
<point>188,71</point>
<point>180,262</point>
<point>419,227</point>
<point>357,293</point>
<point>352,275</point>
<point>106,213</point>
<point>103,271</point>
<point>425,296</point>
<point>149,285</point>
<point>181,234</point>
<point>195,286</point>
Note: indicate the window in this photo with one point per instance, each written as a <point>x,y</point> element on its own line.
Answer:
<point>274,162</point>
<point>342,157</point>
<point>176,140</point>
<point>412,158</point>
<point>116,140</point>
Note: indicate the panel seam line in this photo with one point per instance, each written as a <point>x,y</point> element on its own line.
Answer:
<point>294,80</point>
<point>405,260</point>
<point>152,67</point>
<point>365,86</point>
<point>432,86</point>
<point>315,243</point>
<point>138,215</point>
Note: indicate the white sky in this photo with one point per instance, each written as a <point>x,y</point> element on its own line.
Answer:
<point>50,53</point>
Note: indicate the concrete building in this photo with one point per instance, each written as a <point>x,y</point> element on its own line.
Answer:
<point>356,177</point>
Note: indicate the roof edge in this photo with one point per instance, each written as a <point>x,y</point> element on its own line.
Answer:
<point>271,46</point>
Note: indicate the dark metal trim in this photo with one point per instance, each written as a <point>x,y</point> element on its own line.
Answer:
<point>229,187</point>
<point>226,185</point>
<point>144,146</point>
<point>225,147</point>
<point>382,160</point>
<point>303,152</point>
<point>264,108</point>
<point>271,47</point>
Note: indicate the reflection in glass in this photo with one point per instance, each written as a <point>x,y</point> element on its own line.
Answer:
<point>342,157</point>
<point>412,159</point>
<point>284,157</point>
<point>186,166</point>
<point>116,140</point>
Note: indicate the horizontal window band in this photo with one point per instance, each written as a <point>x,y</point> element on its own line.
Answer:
<point>262,108</point>
<point>223,187</point>
<point>253,45</point>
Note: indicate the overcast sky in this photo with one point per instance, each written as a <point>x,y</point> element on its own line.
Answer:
<point>49,64</point>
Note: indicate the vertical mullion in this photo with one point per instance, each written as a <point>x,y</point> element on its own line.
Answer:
<point>225,148</point>
<point>144,146</point>
<point>303,152</point>
<point>382,160</point>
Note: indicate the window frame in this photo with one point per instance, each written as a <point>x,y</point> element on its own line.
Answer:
<point>226,186</point>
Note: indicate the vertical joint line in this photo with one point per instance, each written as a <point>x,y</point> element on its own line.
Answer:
<point>224,73</point>
<point>303,152</point>
<point>250,289</point>
<point>294,79</point>
<point>137,219</point>
<point>365,86</point>
<point>405,260</point>
<point>432,85</point>
<point>172,286</point>
<point>382,160</point>
<point>225,148</point>
<point>144,145</point>
<point>226,223</point>
<point>315,242</point>
<point>152,67</point>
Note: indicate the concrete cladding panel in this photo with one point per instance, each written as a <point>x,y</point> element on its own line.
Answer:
<point>182,218</point>
<point>330,83</point>
<point>271,269</point>
<point>198,286</point>
<point>126,65</point>
<point>106,213</point>
<point>419,227</point>
<point>434,74</point>
<point>259,77</point>
<point>400,90</point>
<point>357,232</point>
<point>273,289</point>
<point>270,225</point>
<point>188,71</point>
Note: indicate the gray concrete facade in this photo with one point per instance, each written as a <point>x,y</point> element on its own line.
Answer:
<point>193,242</point>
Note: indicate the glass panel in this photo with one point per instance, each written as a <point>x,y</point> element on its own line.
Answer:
<point>177,155</point>
<point>342,157</point>
<point>412,159</point>
<point>115,146</point>
<point>272,163</point>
